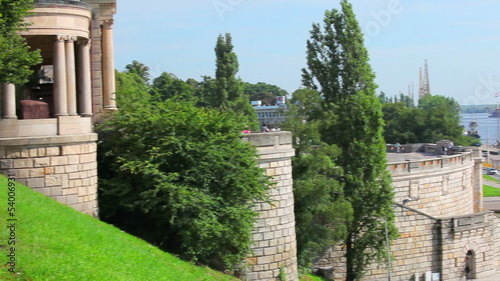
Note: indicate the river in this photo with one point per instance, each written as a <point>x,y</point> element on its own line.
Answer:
<point>489,127</point>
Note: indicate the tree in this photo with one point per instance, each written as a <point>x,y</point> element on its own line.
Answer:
<point>338,68</point>
<point>442,118</point>
<point>321,210</point>
<point>179,176</point>
<point>167,85</point>
<point>227,90</point>
<point>402,124</point>
<point>138,68</point>
<point>15,57</point>
<point>435,118</point>
<point>264,92</point>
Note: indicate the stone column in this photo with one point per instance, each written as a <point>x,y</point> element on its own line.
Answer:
<point>71,76</point>
<point>108,66</point>
<point>60,86</point>
<point>84,78</point>
<point>9,101</point>
<point>477,184</point>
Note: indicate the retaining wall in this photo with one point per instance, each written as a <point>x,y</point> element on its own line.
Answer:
<point>61,167</point>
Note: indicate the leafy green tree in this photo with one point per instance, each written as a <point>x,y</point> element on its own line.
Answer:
<point>179,176</point>
<point>15,57</point>
<point>442,117</point>
<point>138,68</point>
<point>167,85</point>
<point>263,92</point>
<point>435,118</point>
<point>321,210</point>
<point>129,82</point>
<point>402,124</point>
<point>339,70</point>
<point>226,92</point>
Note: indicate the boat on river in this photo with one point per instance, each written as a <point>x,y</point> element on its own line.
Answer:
<point>496,113</point>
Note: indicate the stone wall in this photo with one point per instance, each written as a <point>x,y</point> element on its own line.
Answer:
<point>438,186</point>
<point>439,226</point>
<point>413,253</point>
<point>274,245</point>
<point>61,167</point>
<point>474,233</point>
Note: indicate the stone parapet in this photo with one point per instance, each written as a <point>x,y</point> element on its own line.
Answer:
<point>440,186</point>
<point>430,163</point>
<point>274,243</point>
<point>61,167</point>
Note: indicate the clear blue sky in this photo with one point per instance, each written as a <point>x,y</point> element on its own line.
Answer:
<point>459,38</point>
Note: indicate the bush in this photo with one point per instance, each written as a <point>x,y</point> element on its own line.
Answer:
<point>180,177</point>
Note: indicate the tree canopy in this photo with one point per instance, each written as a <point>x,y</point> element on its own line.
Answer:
<point>435,118</point>
<point>139,69</point>
<point>167,85</point>
<point>15,57</point>
<point>351,120</point>
<point>226,90</point>
<point>179,176</point>
<point>263,92</point>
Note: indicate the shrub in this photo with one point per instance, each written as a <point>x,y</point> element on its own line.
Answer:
<point>180,177</point>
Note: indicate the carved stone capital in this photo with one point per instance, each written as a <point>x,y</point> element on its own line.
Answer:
<point>108,24</point>
<point>83,41</point>
<point>71,39</point>
<point>61,38</point>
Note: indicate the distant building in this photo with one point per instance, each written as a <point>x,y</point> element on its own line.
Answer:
<point>272,115</point>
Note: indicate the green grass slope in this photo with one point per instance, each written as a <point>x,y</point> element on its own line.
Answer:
<point>55,242</point>
<point>490,191</point>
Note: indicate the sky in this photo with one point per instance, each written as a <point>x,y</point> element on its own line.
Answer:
<point>460,39</point>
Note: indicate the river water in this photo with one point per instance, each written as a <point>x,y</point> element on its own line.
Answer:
<point>489,127</point>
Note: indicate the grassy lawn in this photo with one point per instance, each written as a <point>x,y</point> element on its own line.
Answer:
<point>55,242</point>
<point>490,178</point>
<point>490,191</point>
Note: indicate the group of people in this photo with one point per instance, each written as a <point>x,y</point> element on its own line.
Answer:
<point>448,148</point>
<point>263,129</point>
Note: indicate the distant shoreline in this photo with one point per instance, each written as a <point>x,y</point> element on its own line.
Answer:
<point>478,108</point>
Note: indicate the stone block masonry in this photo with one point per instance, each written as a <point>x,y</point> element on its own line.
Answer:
<point>443,230</point>
<point>61,167</point>
<point>274,245</point>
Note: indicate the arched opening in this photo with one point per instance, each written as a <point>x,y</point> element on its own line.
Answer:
<point>470,265</point>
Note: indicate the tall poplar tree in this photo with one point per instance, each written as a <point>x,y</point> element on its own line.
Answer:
<point>227,90</point>
<point>15,55</point>
<point>338,68</point>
